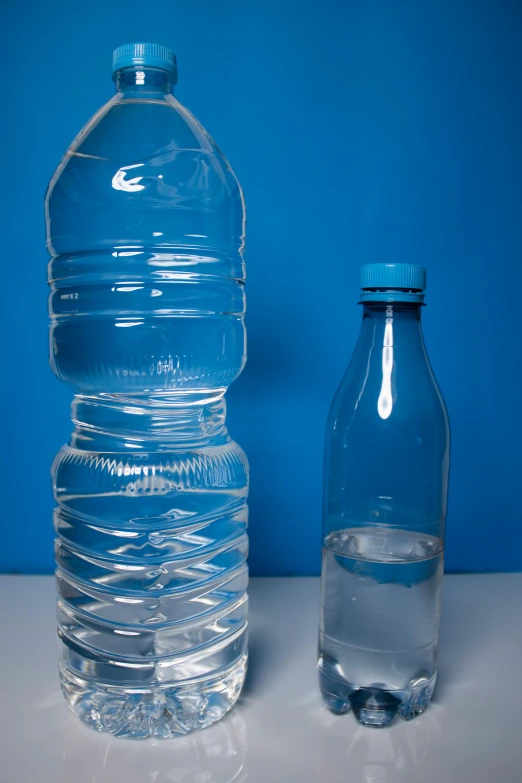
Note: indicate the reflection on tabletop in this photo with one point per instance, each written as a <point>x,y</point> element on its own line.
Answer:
<point>383,755</point>
<point>214,755</point>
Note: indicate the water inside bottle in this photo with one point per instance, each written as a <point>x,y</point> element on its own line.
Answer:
<point>380,612</point>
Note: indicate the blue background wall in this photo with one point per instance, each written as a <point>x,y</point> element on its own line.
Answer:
<point>361,131</point>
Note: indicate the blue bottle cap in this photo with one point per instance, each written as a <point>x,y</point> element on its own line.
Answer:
<point>392,283</point>
<point>146,54</point>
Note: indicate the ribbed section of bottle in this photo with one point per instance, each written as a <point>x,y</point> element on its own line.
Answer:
<point>151,549</point>
<point>142,323</point>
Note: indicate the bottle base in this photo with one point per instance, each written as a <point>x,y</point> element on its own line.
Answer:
<point>161,711</point>
<point>376,706</point>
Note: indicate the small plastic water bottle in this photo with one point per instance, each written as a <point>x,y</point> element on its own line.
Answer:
<point>385,490</point>
<point>145,228</point>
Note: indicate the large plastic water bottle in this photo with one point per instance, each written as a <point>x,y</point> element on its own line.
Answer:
<point>385,490</point>
<point>146,226</point>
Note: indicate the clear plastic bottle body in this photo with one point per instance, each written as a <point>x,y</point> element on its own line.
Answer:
<point>385,493</point>
<point>145,224</point>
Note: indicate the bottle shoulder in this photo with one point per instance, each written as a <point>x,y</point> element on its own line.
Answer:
<point>143,122</point>
<point>128,131</point>
<point>389,392</point>
<point>145,173</point>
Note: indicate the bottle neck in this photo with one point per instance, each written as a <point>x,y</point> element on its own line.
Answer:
<point>142,80</point>
<point>380,312</point>
<point>387,324</point>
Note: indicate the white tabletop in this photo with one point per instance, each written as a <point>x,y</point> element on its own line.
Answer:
<point>280,732</point>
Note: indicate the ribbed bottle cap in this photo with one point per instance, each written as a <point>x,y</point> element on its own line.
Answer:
<point>392,283</point>
<point>146,54</point>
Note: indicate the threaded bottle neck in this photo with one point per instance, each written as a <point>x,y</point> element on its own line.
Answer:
<point>143,80</point>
